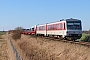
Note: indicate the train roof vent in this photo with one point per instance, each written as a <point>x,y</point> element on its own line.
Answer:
<point>71,18</point>
<point>62,20</point>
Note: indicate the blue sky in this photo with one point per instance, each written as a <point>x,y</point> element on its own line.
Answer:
<point>27,13</point>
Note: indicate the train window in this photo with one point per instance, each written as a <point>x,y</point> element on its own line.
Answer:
<point>30,28</point>
<point>70,23</point>
<point>40,28</point>
<point>37,28</point>
<point>43,27</point>
<point>57,26</point>
<point>74,25</point>
<point>48,27</point>
<point>61,26</point>
<point>53,27</point>
<point>77,25</point>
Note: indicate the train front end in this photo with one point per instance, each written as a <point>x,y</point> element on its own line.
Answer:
<point>74,29</point>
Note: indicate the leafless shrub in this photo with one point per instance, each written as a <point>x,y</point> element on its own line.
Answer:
<point>16,34</point>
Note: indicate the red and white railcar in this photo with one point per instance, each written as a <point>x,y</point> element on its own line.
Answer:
<point>64,28</point>
<point>56,28</point>
<point>26,31</point>
<point>41,29</point>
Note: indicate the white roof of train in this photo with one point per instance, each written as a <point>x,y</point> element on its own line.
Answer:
<point>71,19</point>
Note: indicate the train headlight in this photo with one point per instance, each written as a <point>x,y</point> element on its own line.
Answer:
<point>79,34</point>
<point>68,33</point>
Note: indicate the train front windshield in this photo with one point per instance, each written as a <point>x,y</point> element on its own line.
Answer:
<point>74,25</point>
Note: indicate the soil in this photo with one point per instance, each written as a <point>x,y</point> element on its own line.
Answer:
<point>32,48</point>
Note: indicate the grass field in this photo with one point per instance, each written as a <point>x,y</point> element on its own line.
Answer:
<point>2,33</point>
<point>83,37</point>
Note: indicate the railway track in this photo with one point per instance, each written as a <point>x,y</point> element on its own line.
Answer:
<point>66,41</point>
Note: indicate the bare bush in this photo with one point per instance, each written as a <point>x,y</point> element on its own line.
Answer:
<point>16,34</point>
<point>18,28</point>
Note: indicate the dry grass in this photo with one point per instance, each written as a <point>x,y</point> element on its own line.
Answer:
<point>35,53</point>
<point>3,52</point>
<point>3,47</point>
<point>44,49</point>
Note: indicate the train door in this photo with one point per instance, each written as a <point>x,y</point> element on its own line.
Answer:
<point>63,29</point>
<point>46,30</point>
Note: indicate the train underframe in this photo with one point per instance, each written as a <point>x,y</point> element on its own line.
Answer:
<point>72,37</point>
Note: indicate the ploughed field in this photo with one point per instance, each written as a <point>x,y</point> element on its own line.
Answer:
<point>32,48</point>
